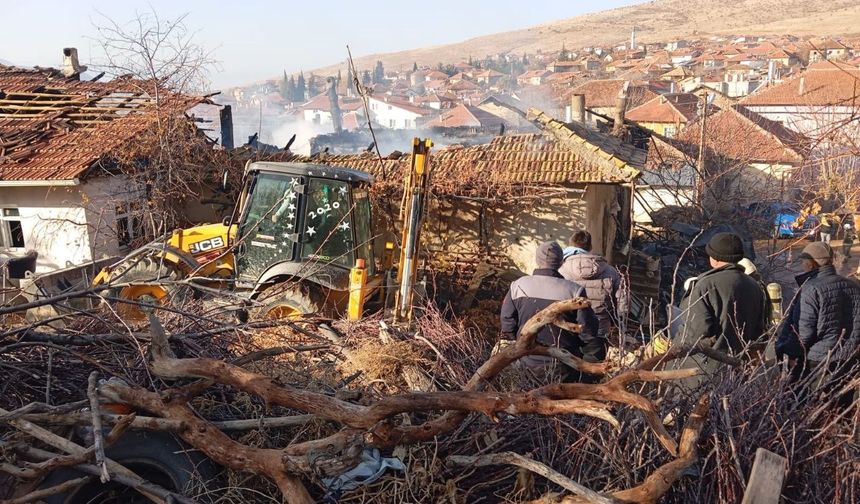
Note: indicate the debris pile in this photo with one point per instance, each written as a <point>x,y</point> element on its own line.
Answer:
<point>322,411</point>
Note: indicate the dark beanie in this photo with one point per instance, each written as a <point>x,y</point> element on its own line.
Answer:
<point>549,255</point>
<point>726,247</point>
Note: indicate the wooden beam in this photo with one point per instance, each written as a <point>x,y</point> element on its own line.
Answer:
<point>766,477</point>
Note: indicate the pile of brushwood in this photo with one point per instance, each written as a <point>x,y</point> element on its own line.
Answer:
<point>280,409</point>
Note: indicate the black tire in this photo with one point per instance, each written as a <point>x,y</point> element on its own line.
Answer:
<point>303,297</point>
<point>150,270</point>
<point>158,457</point>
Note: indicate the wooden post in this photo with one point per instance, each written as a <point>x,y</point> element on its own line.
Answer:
<point>620,109</point>
<point>766,476</point>
<point>703,113</point>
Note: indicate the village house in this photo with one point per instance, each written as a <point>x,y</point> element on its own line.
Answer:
<point>467,117</point>
<point>563,66</point>
<point>740,80</point>
<point>675,45</point>
<point>753,156</point>
<point>488,77</point>
<point>511,110</point>
<point>318,110</point>
<point>601,95</point>
<point>826,50</point>
<point>666,114</point>
<point>396,114</point>
<point>812,102</point>
<point>63,194</point>
<point>564,178</point>
<point>532,77</point>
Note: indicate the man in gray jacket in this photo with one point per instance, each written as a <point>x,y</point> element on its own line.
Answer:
<point>603,284</point>
<point>531,294</point>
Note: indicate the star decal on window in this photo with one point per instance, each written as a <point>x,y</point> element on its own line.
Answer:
<point>311,231</point>
<point>344,226</point>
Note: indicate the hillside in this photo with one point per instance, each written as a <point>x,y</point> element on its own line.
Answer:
<point>655,21</point>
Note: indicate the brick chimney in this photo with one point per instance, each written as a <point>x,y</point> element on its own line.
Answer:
<point>71,67</point>
<point>577,107</point>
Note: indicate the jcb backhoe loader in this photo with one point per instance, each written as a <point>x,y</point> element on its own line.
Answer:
<point>301,241</point>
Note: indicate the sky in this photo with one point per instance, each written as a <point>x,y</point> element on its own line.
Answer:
<point>253,40</point>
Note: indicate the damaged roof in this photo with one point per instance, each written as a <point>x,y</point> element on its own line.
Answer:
<point>55,128</point>
<point>560,154</point>
<point>740,134</point>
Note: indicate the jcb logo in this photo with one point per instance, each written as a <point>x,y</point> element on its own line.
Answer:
<point>205,245</point>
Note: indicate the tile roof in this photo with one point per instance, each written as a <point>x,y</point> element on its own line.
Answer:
<point>560,154</point>
<point>54,128</point>
<point>741,134</point>
<point>667,108</point>
<point>465,116</point>
<point>601,93</point>
<point>826,83</point>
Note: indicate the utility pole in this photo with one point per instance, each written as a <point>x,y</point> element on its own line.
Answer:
<point>703,113</point>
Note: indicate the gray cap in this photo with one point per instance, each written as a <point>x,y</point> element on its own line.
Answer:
<point>549,255</point>
<point>819,252</point>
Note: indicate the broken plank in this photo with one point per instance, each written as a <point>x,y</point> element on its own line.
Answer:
<point>766,477</point>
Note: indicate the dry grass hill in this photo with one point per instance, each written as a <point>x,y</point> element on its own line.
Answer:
<point>655,21</point>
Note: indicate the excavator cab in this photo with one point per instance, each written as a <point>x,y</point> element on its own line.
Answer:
<point>301,242</point>
<point>302,228</point>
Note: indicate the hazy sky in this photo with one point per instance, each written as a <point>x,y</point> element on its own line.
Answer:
<point>256,39</point>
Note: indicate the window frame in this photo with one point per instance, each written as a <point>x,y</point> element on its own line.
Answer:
<point>7,238</point>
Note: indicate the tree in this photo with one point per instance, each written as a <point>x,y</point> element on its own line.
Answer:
<point>470,61</point>
<point>292,88</point>
<point>415,66</point>
<point>311,86</point>
<point>525,60</point>
<point>378,73</point>
<point>350,81</point>
<point>366,79</point>
<point>159,50</point>
<point>285,91</point>
<point>301,89</point>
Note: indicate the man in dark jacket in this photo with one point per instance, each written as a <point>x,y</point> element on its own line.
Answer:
<point>531,294</point>
<point>787,342</point>
<point>603,284</point>
<point>829,324</point>
<point>725,304</point>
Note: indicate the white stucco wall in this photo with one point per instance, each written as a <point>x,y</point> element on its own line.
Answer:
<point>650,199</point>
<point>69,225</point>
<point>54,224</point>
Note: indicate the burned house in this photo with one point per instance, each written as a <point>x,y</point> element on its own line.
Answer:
<point>62,191</point>
<point>496,201</point>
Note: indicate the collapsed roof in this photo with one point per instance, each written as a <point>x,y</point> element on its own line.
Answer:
<point>560,154</point>
<point>55,128</point>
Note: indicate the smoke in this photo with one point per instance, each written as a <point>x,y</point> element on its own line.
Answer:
<point>303,130</point>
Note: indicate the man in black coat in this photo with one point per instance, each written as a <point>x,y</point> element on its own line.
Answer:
<point>725,305</point>
<point>531,294</point>
<point>724,308</point>
<point>828,327</point>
